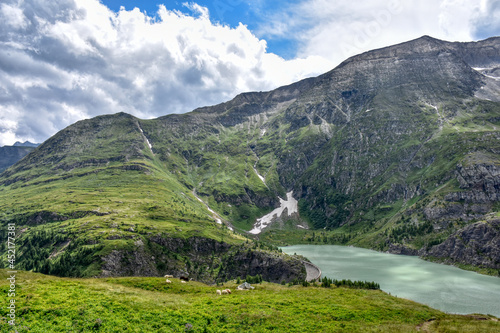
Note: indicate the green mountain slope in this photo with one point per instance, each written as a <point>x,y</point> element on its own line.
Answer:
<point>395,149</point>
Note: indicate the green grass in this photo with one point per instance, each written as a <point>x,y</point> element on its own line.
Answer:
<point>50,304</point>
<point>123,197</point>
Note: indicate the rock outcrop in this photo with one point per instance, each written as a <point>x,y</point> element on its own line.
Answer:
<point>201,259</point>
<point>480,184</point>
<point>477,244</point>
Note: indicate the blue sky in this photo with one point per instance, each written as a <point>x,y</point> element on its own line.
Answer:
<point>227,12</point>
<point>67,60</point>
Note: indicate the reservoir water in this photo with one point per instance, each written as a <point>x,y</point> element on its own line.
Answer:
<point>442,287</point>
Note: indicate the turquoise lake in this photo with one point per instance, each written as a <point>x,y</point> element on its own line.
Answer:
<point>442,287</point>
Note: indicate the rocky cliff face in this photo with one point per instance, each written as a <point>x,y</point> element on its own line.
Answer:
<point>480,184</point>
<point>201,259</point>
<point>477,244</point>
<point>463,239</point>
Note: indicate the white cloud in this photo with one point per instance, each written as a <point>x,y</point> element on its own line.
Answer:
<point>336,30</point>
<point>8,125</point>
<point>456,18</point>
<point>486,21</point>
<point>67,60</point>
<point>13,16</point>
<point>197,9</point>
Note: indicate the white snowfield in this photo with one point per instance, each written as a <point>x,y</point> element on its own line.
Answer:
<point>290,204</point>
<point>484,71</point>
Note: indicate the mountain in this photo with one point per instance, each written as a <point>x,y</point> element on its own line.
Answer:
<point>396,149</point>
<point>9,155</point>
<point>25,144</point>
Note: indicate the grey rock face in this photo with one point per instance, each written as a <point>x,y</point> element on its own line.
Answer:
<point>477,244</point>
<point>196,258</point>
<point>481,183</point>
<point>272,267</point>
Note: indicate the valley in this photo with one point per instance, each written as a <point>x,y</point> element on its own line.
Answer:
<point>396,149</point>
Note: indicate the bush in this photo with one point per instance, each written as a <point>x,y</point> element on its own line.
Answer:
<point>254,279</point>
<point>326,283</point>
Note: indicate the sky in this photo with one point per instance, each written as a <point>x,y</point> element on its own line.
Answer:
<point>66,60</point>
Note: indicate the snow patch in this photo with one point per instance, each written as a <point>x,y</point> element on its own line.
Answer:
<point>259,175</point>
<point>483,71</point>
<point>149,143</point>
<point>492,77</point>
<point>440,116</point>
<point>432,106</point>
<point>301,226</point>
<point>290,204</point>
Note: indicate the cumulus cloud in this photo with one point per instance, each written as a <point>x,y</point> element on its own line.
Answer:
<point>486,21</point>
<point>62,61</point>
<point>336,30</point>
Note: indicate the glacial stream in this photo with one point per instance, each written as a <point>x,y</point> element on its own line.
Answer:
<point>442,287</point>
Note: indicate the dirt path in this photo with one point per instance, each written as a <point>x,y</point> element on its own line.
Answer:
<point>425,327</point>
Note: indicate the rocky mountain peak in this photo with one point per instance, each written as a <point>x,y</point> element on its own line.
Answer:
<point>417,61</point>
<point>424,45</point>
<point>25,144</point>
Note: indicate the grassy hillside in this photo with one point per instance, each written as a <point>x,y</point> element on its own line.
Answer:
<point>96,191</point>
<point>51,304</point>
